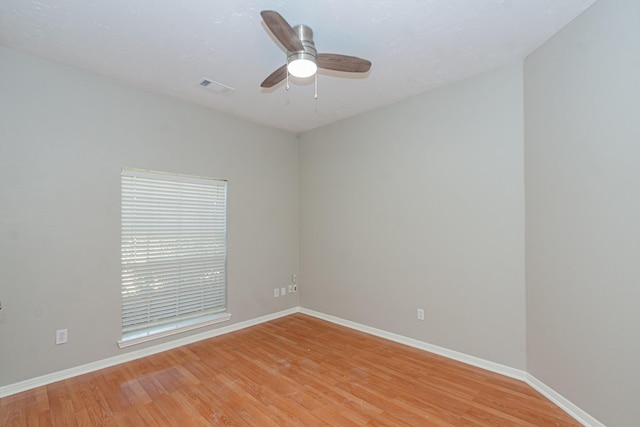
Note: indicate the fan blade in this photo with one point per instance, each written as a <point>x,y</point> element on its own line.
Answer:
<point>276,77</point>
<point>350,64</point>
<point>282,30</point>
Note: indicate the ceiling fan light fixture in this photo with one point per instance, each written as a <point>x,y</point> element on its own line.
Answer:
<point>302,65</point>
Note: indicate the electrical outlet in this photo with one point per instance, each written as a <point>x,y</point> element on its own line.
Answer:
<point>61,336</point>
<point>294,278</point>
<point>276,292</point>
<point>283,291</point>
<point>290,288</point>
<point>420,314</point>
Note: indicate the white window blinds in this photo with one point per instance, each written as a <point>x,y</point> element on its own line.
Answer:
<point>173,248</point>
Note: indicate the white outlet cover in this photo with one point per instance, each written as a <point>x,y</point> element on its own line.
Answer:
<point>61,336</point>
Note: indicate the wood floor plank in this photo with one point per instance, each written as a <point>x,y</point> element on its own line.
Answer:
<point>293,371</point>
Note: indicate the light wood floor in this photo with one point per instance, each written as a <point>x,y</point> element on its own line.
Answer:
<point>293,371</point>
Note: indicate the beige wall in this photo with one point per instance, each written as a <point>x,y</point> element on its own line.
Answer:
<point>421,205</point>
<point>582,104</point>
<point>64,135</point>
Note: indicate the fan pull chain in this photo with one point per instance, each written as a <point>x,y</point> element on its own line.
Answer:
<point>315,106</point>
<point>287,73</point>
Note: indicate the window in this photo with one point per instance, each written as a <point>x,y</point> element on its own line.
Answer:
<point>173,254</point>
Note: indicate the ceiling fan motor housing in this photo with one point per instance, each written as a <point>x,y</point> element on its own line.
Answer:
<point>305,34</point>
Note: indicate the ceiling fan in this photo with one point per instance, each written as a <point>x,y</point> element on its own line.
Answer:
<point>303,60</point>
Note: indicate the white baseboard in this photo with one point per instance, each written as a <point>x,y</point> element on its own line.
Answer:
<point>564,404</point>
<point>571,409</point>
<point>451,354</point>
<point>137,354</point>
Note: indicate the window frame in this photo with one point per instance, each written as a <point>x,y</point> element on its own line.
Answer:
<point>163,197</point>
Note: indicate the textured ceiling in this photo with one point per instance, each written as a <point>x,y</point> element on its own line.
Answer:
<point>170,46</point>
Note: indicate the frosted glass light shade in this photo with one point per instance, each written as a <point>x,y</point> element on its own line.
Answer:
<point>302,68</point>
<point>302,64</point>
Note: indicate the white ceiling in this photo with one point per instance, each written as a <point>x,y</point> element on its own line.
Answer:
<point>170,46</point>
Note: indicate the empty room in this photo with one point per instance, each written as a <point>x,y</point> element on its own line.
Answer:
<point>320,213</point>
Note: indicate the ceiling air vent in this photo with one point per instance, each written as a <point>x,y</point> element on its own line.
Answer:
<point>216,87</point>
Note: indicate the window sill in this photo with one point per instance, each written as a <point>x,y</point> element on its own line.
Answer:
<point>156,332</point>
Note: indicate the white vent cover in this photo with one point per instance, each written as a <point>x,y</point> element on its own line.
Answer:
<point>216,87</point>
